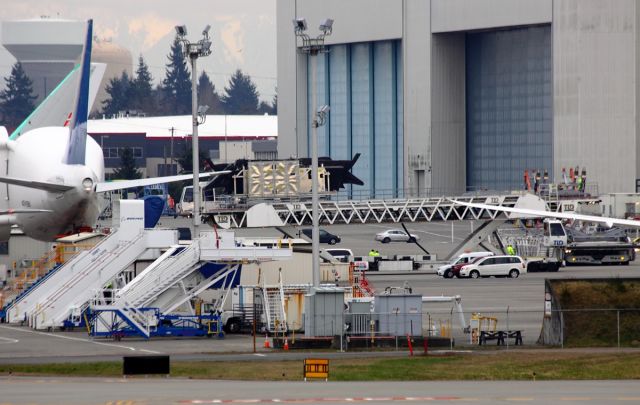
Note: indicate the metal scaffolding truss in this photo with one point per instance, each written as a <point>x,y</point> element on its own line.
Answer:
<point>378,211</point>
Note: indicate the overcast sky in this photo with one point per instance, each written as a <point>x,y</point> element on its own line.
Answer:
<point>243,31</point>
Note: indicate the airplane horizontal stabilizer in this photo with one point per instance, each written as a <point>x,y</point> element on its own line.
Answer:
<point>123,184</point>
<point>40,185</point>
<point>608,221</point>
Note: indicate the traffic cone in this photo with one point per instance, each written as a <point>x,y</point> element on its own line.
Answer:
<point>286,344</point>
<point>267,345</point>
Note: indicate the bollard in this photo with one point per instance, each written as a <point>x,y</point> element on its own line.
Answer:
<point>410,345</point>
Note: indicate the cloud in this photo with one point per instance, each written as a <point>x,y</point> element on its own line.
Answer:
<point>150,29</point>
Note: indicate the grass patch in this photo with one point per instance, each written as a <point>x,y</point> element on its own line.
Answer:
<point>486,366</point>
<point>593,317</point>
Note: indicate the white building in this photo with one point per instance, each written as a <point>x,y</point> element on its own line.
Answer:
<point>454,95</point>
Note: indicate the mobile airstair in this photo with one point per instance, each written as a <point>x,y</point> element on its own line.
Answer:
<point>169,284</point>
<point>67,291</point>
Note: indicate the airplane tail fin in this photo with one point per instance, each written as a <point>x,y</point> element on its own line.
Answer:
<point>78,140</point>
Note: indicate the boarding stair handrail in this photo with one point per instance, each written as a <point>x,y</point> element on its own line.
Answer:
<point>77,256</point>
<point>170,270</point>
<point>107,265</point>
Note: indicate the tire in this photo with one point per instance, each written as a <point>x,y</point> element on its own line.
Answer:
<point>332,241</point>
<point>474,274</point>
<point>386,240</point>
<point>233,326</point>
<point>513,273</point>
<point>448,274</point>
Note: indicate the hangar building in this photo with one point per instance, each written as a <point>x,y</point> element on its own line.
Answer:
<point>448,96</point>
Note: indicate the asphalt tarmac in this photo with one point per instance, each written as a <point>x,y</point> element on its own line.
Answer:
<point>143,391</point>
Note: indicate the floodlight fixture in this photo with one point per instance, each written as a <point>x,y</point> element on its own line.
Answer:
<point>326,26</point>
<point>206,29</point>
<point>299,25</point>
<point>181,30</point>
<point>324,109</point>
<point>321,116</point>
<point>206,47</point>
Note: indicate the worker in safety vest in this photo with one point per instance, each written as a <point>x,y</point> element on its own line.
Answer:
<point>373,253</point>
<point>511,251</point>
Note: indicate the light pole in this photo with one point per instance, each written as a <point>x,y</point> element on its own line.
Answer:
<point>102,142</point>
<point>314,46</point>
<point>193,50</point>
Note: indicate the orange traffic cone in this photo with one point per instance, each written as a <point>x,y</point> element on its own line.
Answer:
<point>267,345</point>
<point>286,344</point>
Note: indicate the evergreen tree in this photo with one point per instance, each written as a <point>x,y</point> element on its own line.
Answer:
<point>142,98</point>
<point>241,96</point>
<point>16,100</point>
<point>207,95</point>
<point>264,108</point>
<point>119,90</point>
<point>176,86</point>
<point>185,160</point>
<point>274,104</point>
<point>128,169</point>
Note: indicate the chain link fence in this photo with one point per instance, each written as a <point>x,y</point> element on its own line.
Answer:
<point>505,328</point>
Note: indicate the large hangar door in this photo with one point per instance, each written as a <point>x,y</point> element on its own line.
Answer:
<point>509,93</point>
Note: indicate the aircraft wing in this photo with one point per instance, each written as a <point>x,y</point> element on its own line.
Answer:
<point>548,214</point>
<point>40,185</point>
<point>120,185</point>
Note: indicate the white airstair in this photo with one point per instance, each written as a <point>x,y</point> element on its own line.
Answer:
<point>173,279</point>
<point>86,278</point>
<point>274,309</point>
<point>25,305</point>
<point>68,290</point>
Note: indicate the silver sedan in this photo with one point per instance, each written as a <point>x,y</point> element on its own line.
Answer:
<point>395,235</point>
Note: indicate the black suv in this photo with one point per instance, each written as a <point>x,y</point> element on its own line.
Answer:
<point>325,237</point>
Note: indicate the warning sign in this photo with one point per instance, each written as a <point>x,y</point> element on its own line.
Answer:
<point>316,368</point>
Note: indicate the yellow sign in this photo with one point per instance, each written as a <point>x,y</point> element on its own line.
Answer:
<point>316,368</point>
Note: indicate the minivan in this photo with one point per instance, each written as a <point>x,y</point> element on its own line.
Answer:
<point>497,266</point>
<point>446,271</point>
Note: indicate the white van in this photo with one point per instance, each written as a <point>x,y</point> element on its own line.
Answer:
<point>446,271</point>
<point>340,254</point>
<point>497,266</point>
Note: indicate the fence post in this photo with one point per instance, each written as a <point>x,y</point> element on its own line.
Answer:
<point>508,330</point>
<point>618,322</point>
<point>451,330</point>
<point>562,329</point>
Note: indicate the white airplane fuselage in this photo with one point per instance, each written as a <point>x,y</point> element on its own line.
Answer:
<point>38,155</point>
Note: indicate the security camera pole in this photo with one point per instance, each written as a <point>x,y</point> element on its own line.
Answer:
<point>314,46</point>
<point>193,51</point>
